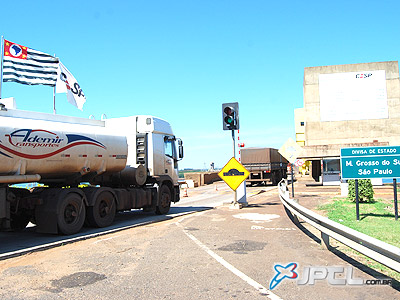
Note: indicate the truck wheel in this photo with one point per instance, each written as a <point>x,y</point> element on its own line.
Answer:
<point>70,214</point>
<point>164,202</point>
<point>102,213</point>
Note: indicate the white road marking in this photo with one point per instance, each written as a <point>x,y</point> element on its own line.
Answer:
<point>256,217</point>
<point>255,227</point>
<point>263,290</point>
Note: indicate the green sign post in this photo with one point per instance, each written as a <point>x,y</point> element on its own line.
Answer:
<point>371,162</point>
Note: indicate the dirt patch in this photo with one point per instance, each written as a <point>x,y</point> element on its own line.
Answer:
<point>78,279</point>
<point>242,247</point>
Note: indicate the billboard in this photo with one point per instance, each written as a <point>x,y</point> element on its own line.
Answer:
<point>353,96</point>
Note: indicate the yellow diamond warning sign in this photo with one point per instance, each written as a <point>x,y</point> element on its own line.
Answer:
<point>233,173</point>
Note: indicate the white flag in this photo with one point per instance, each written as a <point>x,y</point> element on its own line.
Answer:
<point>66,83</point>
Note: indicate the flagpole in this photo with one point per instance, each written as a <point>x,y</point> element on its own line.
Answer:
<point>54,100</point>
<point>54,96</point>
<point>2,57</point>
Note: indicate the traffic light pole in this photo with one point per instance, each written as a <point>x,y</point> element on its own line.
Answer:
<point>235,203</point>
<point>234,144</point>
<point>230,121</point>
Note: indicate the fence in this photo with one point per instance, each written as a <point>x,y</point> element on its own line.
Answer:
<point>381,252</point>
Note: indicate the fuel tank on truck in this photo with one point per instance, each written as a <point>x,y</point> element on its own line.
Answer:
<point>57,147</point>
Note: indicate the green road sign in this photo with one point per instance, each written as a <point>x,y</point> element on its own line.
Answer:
<point>370,162</point>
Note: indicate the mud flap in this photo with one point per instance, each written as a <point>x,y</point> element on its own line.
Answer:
<point>177,194</point>
<point>154,198</point>
<point>3,203</point>
<point>46,214</point>
<point>4,210</point>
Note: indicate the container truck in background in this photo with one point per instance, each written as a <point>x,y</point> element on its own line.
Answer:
<point>128,163</point>
<point>265,165</point>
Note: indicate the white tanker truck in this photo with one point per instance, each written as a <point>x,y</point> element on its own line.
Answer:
<point>130,163</point>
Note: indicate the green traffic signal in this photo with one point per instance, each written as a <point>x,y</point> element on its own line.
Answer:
<point>230,116</point>
<point>229,119</point>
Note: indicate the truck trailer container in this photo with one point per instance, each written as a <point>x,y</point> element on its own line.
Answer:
<point>127,163</point>
<point>265,165</point>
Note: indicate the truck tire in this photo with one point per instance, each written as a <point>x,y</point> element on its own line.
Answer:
<point>71,214</point>
<point>165,198</point>
<point>102,213</point>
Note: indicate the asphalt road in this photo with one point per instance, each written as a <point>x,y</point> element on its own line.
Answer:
<point>202,198</point>
<point>16,243</point>
<point>217,253</point>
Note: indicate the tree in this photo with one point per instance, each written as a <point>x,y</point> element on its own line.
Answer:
<point>365,190</point>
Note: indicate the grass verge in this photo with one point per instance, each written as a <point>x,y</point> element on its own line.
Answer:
<point>376,220</point>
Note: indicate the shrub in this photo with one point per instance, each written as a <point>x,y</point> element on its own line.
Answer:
<point>365,190</point>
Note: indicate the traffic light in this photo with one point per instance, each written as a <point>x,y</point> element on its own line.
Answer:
<point>230,116</point>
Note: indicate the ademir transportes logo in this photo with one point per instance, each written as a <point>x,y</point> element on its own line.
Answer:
<point>340,276</point>
<point>25,142</point>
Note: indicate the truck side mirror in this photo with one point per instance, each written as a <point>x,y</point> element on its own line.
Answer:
<point>180,148</point>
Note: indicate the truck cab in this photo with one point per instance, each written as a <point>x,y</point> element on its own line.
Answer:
<point>151,143</point>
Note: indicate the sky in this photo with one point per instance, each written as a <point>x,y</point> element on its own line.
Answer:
<point>179,60</point>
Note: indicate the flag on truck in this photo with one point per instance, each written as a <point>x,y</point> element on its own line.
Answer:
<point>28,66</point>
<point>66,83</point>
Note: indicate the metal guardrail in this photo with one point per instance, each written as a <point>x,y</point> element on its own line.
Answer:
<point>381,252</point>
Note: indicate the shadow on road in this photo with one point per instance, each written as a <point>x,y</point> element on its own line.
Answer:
<point>28,240</point>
